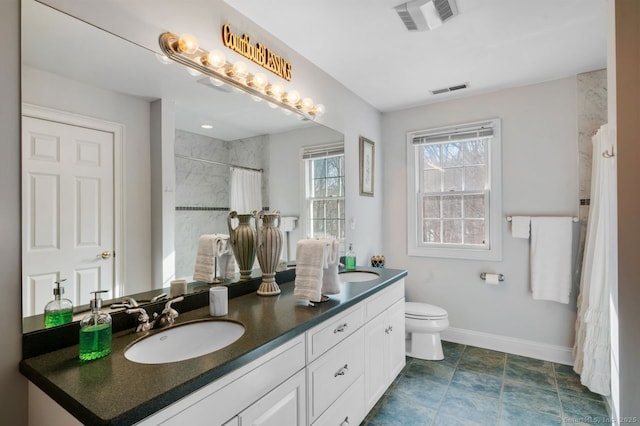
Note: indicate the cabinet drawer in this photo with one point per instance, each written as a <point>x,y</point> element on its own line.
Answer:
<point>333,331</point>
<point>331,375</point>
<point>377,303</point>
<point>348,409</point>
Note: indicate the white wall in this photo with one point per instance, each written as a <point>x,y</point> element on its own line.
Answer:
<point>539,150</point>
<point>53,91</point>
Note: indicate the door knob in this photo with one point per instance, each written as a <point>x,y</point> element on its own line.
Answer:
<point>105,254</point>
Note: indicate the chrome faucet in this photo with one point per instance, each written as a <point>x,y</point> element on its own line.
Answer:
<point>127,302</point>
<point>166,318</point>
<point>168,314</point>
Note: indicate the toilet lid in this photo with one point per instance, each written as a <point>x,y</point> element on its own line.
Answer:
<point>424,310</point>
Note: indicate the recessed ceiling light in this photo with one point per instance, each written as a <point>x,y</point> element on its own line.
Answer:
<point>207,126</point>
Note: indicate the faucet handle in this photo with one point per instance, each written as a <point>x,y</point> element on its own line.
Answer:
<point>143,319</point>
<point>127,302</point>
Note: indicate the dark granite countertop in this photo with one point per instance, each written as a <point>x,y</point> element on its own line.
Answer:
<point>116,391</point>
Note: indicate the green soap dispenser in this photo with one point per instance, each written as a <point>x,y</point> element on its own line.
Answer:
<point>60,310</point>
<point>95,331</point>
<point>350,259</point>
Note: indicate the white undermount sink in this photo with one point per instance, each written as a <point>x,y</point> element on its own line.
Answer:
<point>357,276</point>
<point>186,341</point>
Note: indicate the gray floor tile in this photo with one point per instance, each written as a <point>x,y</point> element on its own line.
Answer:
<point>419,392</point>
<point>463,404</point>
<point>530,376</point>
<point>447,420</point>
<point>512,415</point>
<point>530,363</point>
<point>478,383</point>
<point>569,383</point>
<point>398,411</point>
<point>531,398</point>
<point>585,409</point>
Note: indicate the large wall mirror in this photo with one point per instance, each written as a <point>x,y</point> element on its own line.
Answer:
<point>90,102</point>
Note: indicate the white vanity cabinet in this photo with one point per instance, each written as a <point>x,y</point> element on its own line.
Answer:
<point>384,345</point>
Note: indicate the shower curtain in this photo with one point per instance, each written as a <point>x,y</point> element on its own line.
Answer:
<point>599,270</point>
<point>246,190</point>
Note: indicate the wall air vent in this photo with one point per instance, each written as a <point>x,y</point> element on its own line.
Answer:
<point>424,15</point>
<point>449,89</point>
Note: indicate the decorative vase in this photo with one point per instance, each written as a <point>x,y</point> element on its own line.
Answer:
<point>269,247</point>
<point>242,239</point>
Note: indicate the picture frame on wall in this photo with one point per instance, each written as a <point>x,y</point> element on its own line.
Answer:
<point>367,169</point>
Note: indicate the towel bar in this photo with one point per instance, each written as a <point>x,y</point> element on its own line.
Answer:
<point>510,218</point>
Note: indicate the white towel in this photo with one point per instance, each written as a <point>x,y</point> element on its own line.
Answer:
<point>311,259</point>
<point>550,257</point>
<point>520,226</point>
<point>205,258</point>
<point>330,279</point>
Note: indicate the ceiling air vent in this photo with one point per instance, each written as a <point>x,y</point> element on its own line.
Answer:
<point>449,89</point>
<point>424,15</point>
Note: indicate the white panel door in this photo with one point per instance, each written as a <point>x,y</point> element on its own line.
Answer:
<point>68,212</point>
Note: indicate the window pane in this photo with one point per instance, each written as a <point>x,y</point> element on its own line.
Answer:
<point>452,206</point>
<point>452,231</point>
<point>431,156</point>
<point>453,179</point>
<point>319,168</point>
<point>431,207</point>
<point>432,180</point>
<point>318,209</point>
<point>332,209</point>
<point>452,154</point>
<point>431,231</point>
<point>317,227</point>
<point>474,152</point>
<point>474,178</point>
<point>474,206</point>
<point>333,186</point>
<point>474,231</point>
<point>333,167</point>
<point>331,230</point>
<point>319,187</point>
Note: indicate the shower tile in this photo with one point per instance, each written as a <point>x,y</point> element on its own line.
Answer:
<point>531,398</point>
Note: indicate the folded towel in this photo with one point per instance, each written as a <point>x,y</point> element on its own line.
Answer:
<point>330,280</point>
<point>550,257</point>
<point>205,259</point>
<point>311,259</point>
<point>520,226</point>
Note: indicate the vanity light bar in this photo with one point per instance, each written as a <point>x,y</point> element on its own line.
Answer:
<point>185,50</point>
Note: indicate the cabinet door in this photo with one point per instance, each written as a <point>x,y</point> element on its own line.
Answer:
<point>396,343</point>
<point>285,405</point>
<point>375,358</point>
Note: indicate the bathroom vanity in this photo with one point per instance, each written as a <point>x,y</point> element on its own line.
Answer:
<point>294,365</point>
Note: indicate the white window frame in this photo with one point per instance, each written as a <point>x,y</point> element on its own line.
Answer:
<point>493,216</point>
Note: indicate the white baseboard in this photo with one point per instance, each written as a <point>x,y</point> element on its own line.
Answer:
<point>511,345</point>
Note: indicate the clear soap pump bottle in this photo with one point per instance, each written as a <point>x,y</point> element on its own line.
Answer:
<point>350,259</point>
<point>95,331</point>
<point>60,310</point>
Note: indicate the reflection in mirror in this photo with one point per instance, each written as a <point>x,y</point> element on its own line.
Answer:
<point>105,88</point>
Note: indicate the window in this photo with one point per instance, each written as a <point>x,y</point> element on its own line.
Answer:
<point>454,199</point>
<point>324,177</point>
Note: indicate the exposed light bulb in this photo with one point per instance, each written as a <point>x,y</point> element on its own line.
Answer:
<point>216,82</point>
<point>259,81</point>
<point>319,110</point>
<point>306,105</point>
<point>275,90</point>
<point>239,70</point>
<point>216,59</point>
<point>291,97</point>
<point>187,43</point>
<point>163,59</point>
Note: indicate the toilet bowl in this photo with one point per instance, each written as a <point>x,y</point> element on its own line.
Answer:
<point>423,324</point>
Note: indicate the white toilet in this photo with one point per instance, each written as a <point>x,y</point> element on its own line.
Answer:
<point>423,324</point>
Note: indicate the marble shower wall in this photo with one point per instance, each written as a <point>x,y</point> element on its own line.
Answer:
<point>202,189</point>
<point>592,113</point>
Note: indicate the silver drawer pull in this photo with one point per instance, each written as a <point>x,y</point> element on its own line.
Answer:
<point>342,371</point>
<point>345,421</point>
<point>340,328</point>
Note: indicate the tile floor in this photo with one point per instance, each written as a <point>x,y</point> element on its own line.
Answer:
<point>474,386</point>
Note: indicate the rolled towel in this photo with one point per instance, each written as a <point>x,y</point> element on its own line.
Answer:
<point>205,259</point>
<point>330,279</point>
<point>311,259</point>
